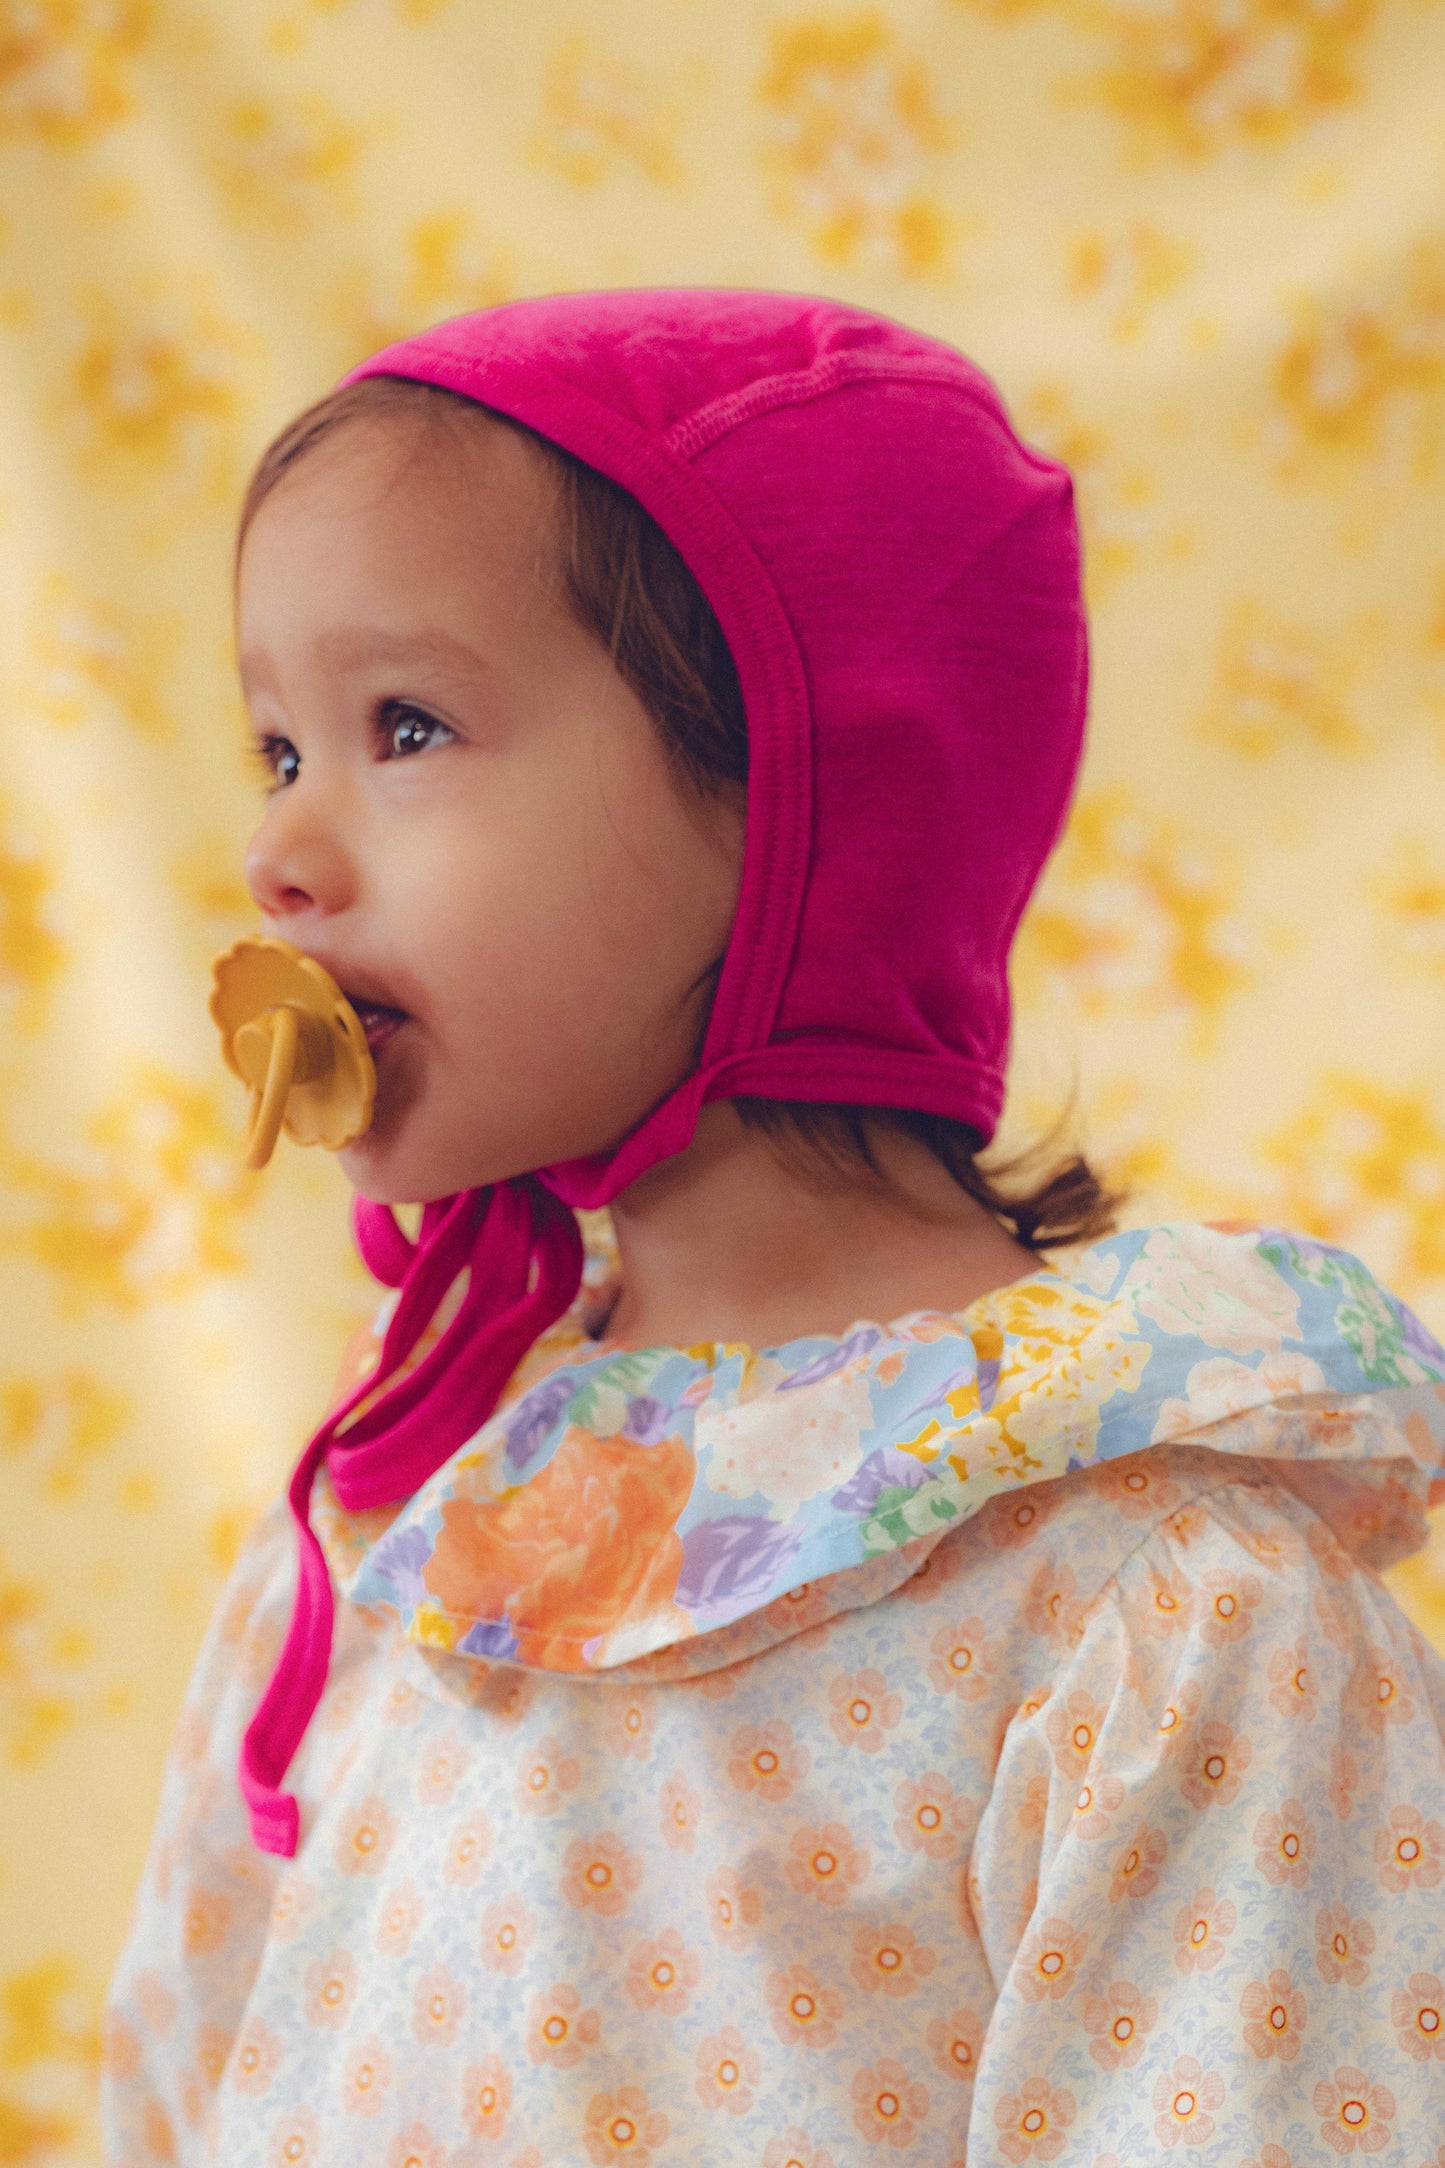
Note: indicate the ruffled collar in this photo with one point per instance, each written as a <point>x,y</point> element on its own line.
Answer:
<point>625,1502</point>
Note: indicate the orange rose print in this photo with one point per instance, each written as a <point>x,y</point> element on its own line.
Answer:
<point>588,1543</point>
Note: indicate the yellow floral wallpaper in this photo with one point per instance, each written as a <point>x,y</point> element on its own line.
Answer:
<point>1200,244</point>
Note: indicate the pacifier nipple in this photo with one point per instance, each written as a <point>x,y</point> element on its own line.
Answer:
<point>291,1035</point>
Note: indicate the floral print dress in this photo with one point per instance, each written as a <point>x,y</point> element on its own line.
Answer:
<point>981,1738</point>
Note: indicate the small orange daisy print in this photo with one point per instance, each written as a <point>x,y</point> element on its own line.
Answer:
<point>930,1816</point>
<point>544,1775</point>
<point>295,2142</point>
<point>255,2058</point>
<point>1378,1691</point>
<point>1140,1492</point>
<point>793,2148</point>
<point>292,1905</point>
<point>888,2103</point>
<point>558,2028</point>
<point>207,1922</point>
<point>622,2126</point>
<point>1185,2097</point>
<point>890,1958</point>
<point>954,2043</point>
<point>804,2012</point>
<point>213,2048</point>
<point>467,1850</point>
<point>630,1727</point>
<point>415,2147</point>
<point>678,1809</point>
<point>1048,1960</point>
<point>1417,2011</point>
<point>1201,1929</point>
<point>330,1990</point>
<point>962,1660</point>
<point>728,2069</point>
<point>1285,1845</point>
<point>1410,1850</point>
<point>1011,1527</point>
<point>1097,1802</point>
<point>1344,1782</point>
<point>1120,2020</point>
<point>399,1921</point>
<point>1225,1605</point>
<point>1033,2123</point>
<point>486,2097</point>
<point>402,1704</point>
<point>767,1759</point>
<point>826,1862</point>
<point>1274,2012</point>
<point>367,2077</point>
<point>507,1929</point>
<point>441,1769</point>
<point>1072,1727</point>
<point>662,1973</point>
<point>365,1837</point>
<point>863,1710</point>
<point>1164,1605</point>
<point>1343,1945</point>
<point>1051,1603</point>
<point>1354,2114</point>
<point>438,2001</point>
<point>1177,1718</point>
<point>1214,1766</point>
<point>1136,1870</point>
<point>734,1907</point>
<point>1292,1688</point>
<point>599,1874</point>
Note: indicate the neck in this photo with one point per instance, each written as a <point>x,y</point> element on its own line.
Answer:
<point>725,1242</point>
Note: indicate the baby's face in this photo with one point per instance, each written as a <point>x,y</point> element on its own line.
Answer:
<point>472,818</point>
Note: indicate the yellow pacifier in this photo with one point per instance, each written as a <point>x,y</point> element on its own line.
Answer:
<point>289,1032</point>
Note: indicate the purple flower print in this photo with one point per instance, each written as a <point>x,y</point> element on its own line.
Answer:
<point>400,1555</point>
<point>833,1358</point>
<point>536,1415</point>
<point>489,1637</point>
<point>730,1562</point>
<point>885,1469</point>
<point>647,1419</point>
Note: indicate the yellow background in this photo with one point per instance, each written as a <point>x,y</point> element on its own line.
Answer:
<point>1200,244</point>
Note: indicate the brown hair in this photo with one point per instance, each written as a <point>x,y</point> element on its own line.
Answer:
<point>629,585</point>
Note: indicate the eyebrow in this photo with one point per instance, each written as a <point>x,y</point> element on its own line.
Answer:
<point>355,647</point>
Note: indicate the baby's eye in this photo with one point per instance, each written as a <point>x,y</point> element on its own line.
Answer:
<point>406,729</point>
<point>269,753</point>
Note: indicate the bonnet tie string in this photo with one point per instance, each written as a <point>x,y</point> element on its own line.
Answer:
<point>501,1233</point>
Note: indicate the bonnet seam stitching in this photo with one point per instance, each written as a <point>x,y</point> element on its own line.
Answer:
<point>699,431</point>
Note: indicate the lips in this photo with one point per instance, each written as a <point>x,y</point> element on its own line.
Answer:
<point>379,1022</point>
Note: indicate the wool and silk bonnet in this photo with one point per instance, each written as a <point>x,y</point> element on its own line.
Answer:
<point>898,577</point>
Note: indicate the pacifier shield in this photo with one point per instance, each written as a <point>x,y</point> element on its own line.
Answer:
<point>310,1069</point>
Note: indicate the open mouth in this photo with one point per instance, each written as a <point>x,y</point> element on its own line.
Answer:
<point>378,1022</point>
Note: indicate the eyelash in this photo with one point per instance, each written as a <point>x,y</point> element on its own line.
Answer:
<point>265,750</point>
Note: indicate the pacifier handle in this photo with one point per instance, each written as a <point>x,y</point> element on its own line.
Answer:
<point>268,1101</point>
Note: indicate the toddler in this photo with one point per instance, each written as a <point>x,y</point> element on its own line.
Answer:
<point>854,1656</point>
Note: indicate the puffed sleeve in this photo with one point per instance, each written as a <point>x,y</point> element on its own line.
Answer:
<point>1210,1878</point>
<point>201,1910</point>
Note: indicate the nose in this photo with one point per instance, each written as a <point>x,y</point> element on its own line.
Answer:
<point>296,861</point>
